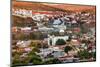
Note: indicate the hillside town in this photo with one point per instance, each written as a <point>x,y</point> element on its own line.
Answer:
<point>47,34</point>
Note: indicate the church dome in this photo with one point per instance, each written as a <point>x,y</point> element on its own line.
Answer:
<point>61,31</point>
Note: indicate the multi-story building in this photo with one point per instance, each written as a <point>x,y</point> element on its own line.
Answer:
<point>22,12</point>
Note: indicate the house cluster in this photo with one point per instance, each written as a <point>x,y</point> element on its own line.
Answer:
<point>22,12</point>
<point>22,47</point>
<point>76,29</point>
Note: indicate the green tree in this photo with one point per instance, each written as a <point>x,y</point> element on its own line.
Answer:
<point>84,54</point>
<point>34,58</point>
<point>60,42</point>
<point>94,55</point>
<point>68,48</point>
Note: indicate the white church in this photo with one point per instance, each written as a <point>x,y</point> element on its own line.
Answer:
<point>55,38</point>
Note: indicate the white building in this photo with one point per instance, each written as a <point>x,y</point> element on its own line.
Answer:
<point>38,17</point>
<point>45,29</point>
<point>26,29</point>
<point>23,43</point>
<point>22,12</point>
<point>60,27</point>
